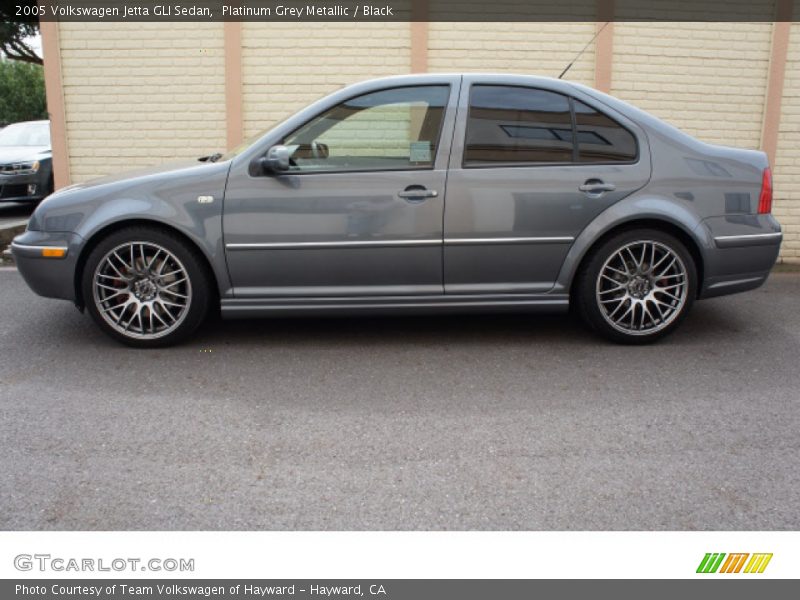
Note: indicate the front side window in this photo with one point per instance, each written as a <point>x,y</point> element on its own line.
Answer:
<point>519,126</point>
<point>385,130</point>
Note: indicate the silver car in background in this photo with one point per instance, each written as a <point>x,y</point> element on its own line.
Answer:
<point>424,193</point>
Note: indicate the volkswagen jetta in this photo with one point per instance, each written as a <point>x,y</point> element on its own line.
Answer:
<point>423,193</point>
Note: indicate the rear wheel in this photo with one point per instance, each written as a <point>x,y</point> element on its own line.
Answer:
<point>637,286</point>
<point>146,287</point>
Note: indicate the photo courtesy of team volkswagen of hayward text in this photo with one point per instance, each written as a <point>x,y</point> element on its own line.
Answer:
<point>408,299</point>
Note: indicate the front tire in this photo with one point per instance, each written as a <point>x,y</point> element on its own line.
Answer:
<point>146,287</point>
<point>637,286</point>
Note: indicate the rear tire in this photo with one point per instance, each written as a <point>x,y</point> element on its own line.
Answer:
<point>637,286</point>
<point>146,287</point>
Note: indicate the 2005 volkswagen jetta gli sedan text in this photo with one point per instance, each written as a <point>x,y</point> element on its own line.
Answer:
<point>419,193</point>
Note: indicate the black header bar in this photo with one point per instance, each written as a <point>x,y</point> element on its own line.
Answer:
<point>399,10</point>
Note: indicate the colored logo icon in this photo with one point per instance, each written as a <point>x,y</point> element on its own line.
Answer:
<point>719,562</point>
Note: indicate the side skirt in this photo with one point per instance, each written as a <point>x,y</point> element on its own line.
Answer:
<point>233,308</point>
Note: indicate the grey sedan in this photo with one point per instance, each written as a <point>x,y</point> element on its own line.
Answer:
<point>423,193</point>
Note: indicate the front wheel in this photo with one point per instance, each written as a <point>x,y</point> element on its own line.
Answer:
<point>146,287</point>
<point>637,286</point>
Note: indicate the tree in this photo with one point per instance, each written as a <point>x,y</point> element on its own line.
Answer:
<point>22,96</point>
<point>14,32</point>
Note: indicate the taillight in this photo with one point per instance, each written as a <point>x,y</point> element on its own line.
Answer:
<point>765,199</point>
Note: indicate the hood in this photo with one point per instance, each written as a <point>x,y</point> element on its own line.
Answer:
<point>139,174</point>
<point>176,182</point>
<point>13,154</point>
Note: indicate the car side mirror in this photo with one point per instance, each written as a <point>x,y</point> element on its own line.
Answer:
<point>276,160</point>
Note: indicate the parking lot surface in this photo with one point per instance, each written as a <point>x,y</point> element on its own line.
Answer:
<point>471,422</point>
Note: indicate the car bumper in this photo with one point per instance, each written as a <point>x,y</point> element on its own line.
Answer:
<point>22,188</point>
<point>47,262</point>
<point>741,252</point>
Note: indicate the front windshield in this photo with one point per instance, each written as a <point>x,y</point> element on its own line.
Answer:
<point>26,134</point>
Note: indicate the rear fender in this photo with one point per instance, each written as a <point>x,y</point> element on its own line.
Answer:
<point>648,210</point>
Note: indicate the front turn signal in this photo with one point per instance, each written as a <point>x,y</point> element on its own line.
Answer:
<point>54,252</point>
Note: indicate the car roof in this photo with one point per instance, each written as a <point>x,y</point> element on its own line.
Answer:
<point>550,83</point>
<point>507,77</point>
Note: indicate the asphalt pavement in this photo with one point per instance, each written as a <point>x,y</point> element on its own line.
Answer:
<point>477,422</point>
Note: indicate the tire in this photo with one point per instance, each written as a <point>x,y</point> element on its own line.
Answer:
<point>146,287</point>
<point>637,286</point>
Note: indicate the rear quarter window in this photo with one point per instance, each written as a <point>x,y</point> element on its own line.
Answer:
<point>600,138</point>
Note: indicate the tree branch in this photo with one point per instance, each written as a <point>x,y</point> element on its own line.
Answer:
<point>19,51</point>
<point>12,40</point>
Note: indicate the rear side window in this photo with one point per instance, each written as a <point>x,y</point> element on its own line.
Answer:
<point>600,138</point>
<point>518,126</point>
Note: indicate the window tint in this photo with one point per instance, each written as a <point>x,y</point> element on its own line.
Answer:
<point>389,129</point>
<point>600,138</point>
<point>517,125</point>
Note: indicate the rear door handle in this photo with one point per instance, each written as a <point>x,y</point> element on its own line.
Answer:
<point>417,193</point>
<point>596,187</point>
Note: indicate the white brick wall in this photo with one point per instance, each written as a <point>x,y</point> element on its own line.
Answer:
<point>709,79</point>
<point>527,48</point>
<point>138,94</point>
<point>786,206</point>
<point>286,66</point>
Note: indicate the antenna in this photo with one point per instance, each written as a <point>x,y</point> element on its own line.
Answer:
<point>594,37</point>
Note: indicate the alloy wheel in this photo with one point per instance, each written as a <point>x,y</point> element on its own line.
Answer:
<point>142,290</point>
<point>642,287</point>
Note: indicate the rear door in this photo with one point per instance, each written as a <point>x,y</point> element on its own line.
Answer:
<point>530,168</point>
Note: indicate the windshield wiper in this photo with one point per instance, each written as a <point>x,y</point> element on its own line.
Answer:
<point>212,158</point>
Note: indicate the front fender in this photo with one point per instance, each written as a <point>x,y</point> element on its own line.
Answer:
<point>172,200</point>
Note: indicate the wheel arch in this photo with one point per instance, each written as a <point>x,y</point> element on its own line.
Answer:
<point>661,224</point>
<point>110,228</point>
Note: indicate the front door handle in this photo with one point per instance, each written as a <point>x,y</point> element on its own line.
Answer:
<point>417,193</point>
<point>596,187</point>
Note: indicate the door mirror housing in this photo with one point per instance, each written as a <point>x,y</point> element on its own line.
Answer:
<point>276,160</point>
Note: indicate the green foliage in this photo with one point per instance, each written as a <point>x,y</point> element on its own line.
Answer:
<point>22,95</point>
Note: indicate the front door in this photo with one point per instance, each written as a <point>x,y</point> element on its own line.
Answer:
<point>537,167</point>
<point>359,212</point>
